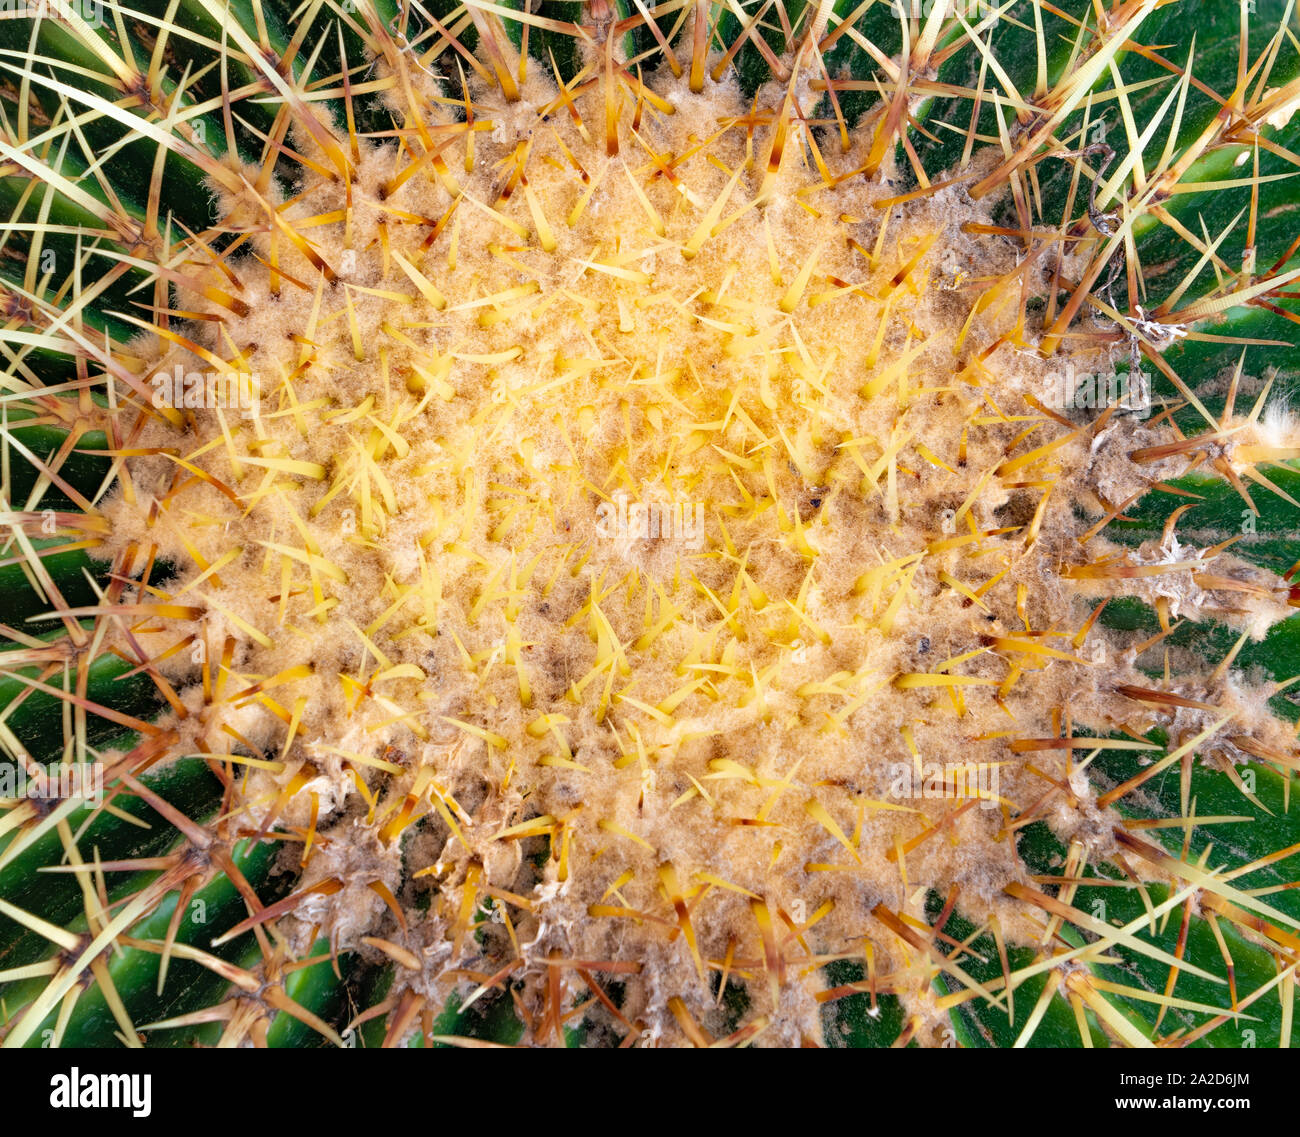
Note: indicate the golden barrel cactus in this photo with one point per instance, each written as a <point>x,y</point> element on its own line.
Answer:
<point>768,522</point>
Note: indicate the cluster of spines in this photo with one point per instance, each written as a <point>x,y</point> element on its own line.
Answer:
<point>810,36</point>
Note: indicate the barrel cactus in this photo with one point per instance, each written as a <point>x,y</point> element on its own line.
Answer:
<point>626,523</point>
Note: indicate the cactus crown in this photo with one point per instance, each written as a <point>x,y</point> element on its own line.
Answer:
<point>687,521</point>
